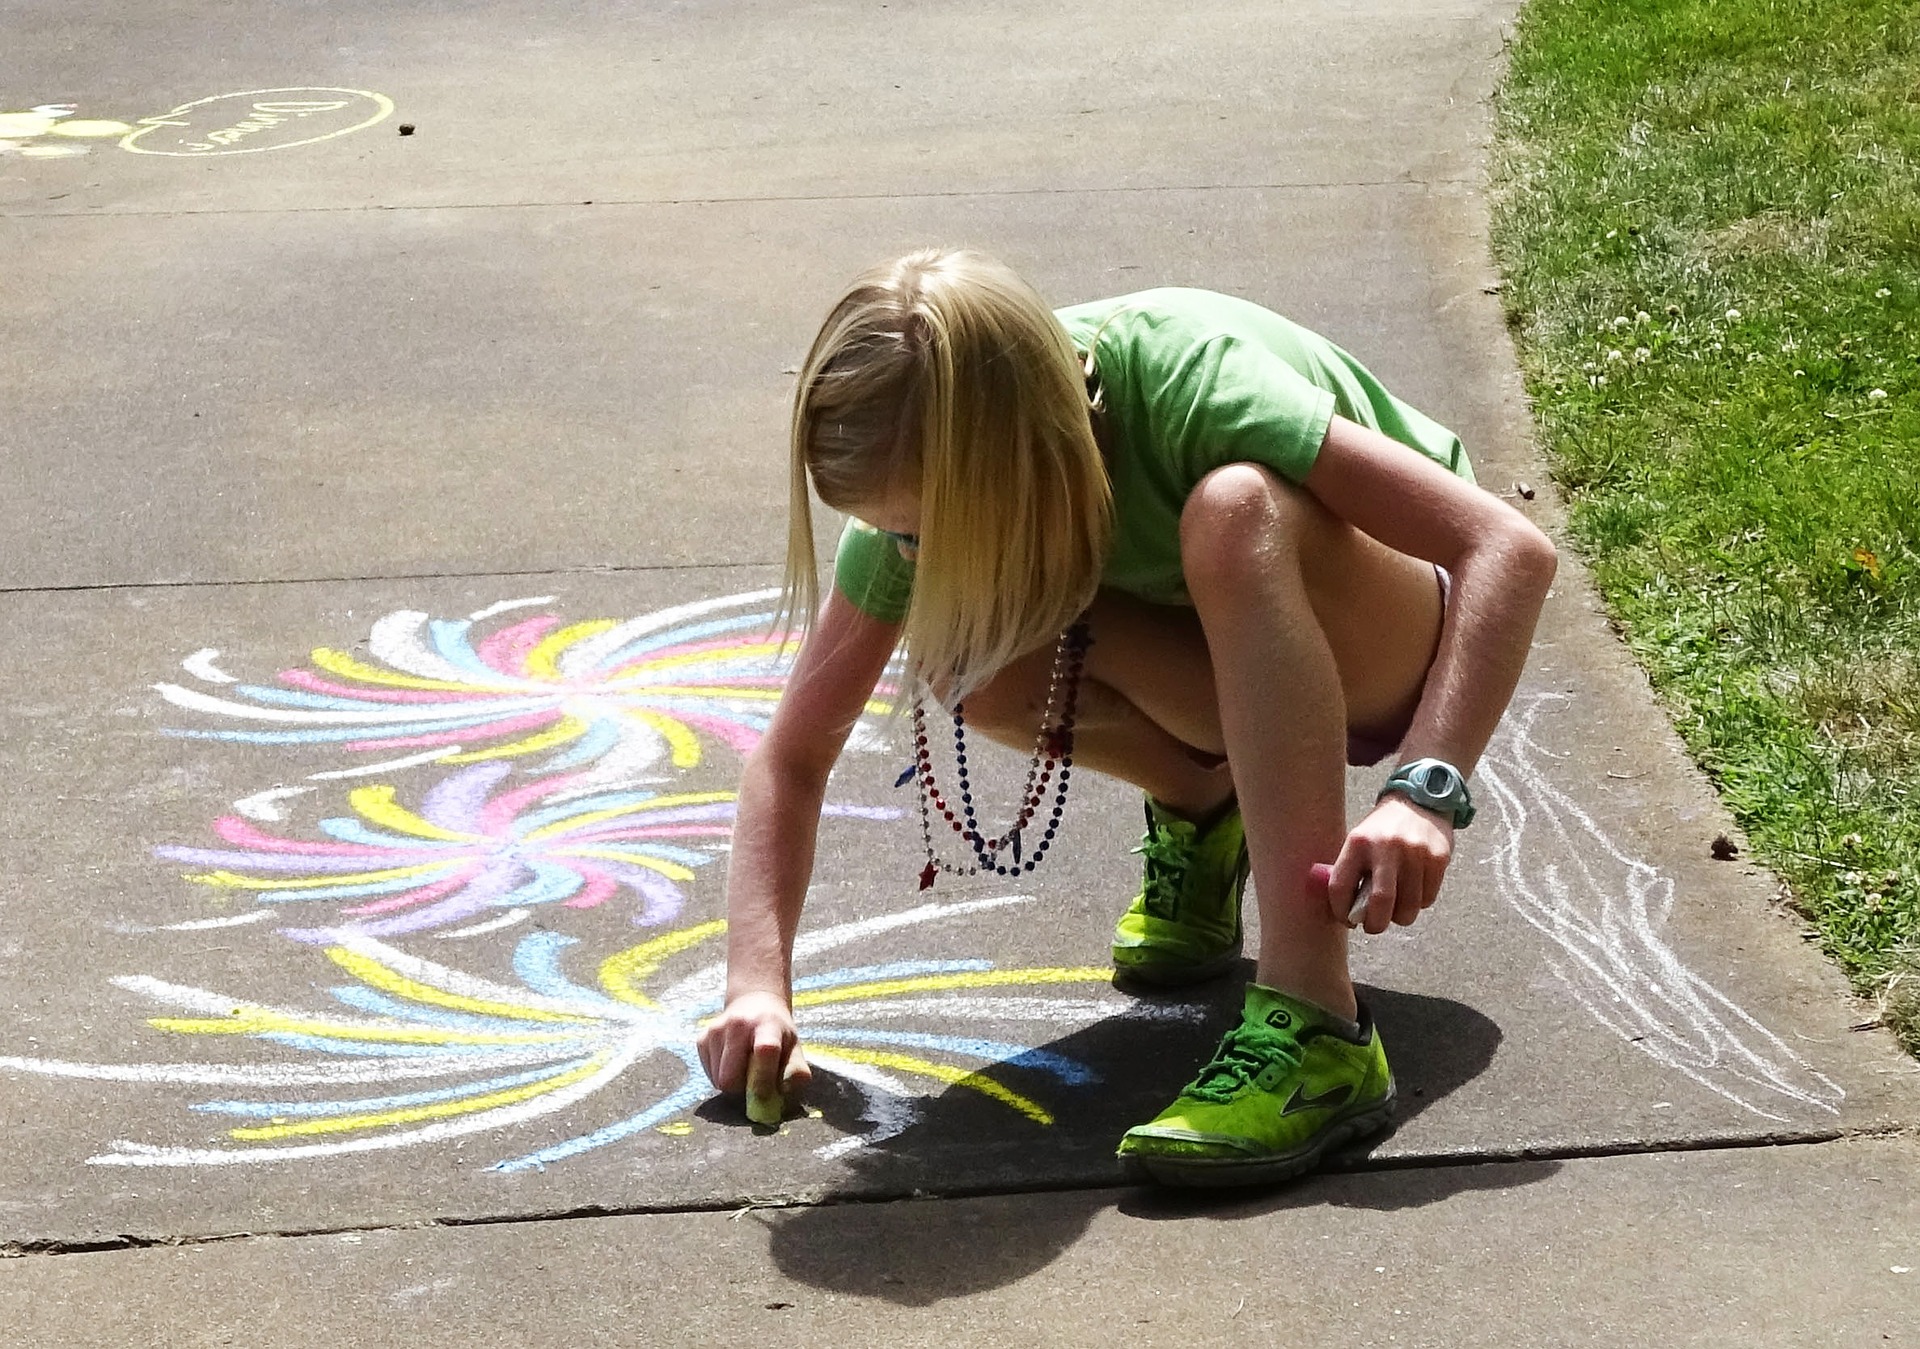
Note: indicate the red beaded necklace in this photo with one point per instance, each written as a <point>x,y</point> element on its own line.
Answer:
<point>1052,761</point>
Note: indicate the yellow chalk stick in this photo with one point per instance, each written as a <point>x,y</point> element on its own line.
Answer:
<point>766,1108</point>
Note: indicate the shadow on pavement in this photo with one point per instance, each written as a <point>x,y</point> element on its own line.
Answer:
<point>967,1144</point>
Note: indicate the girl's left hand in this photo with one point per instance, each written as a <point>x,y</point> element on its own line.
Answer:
<point>1402,850</point>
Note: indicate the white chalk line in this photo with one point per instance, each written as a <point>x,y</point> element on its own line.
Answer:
<point>201,666</point>
<point>507,606</point>
<point>143,1154</point>
<point>204,924</point>
<point>508,919</point>
<point>385,766</point>
<point>1616,963</point>
<point>707,984</point>
<point>265,806</point>
<point>892,1107</point>
<point>373,1071</point>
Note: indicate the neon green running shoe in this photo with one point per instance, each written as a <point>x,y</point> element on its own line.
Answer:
<point>1184,925</point>
<point>1283,1088</point>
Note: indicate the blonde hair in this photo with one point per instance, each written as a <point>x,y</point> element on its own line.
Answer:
<point>944,373</point>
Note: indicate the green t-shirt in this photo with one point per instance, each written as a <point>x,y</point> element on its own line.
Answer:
<point>1193,380</point>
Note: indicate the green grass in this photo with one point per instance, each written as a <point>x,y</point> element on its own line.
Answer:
<point>1708,213</point>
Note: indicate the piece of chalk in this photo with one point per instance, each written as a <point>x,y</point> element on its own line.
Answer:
<point>766,1108</point>
<point>1361,894</point>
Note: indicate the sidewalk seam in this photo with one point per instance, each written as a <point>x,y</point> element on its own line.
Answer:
<point>112,214</point>
<point>1361,1166</point>
<point>84,587</point>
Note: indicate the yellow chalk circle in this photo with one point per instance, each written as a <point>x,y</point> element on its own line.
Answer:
<point>81,126</point>
<point>20,125</point>
<point>257,119</point>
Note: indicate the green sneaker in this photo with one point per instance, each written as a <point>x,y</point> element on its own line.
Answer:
<point>1283,1088</point>
<point>1184,925</point>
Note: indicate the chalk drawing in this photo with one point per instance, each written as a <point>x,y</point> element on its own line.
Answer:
<point>618,700</point>
<point>477,844</point>
<point>256,120</point>
<point>51,131</point>
<point>1604,910</point>
<point>631,692</point>
<point>201,665</point>
<point>451,1054</point>
<point>416,1051</point>
<point>223,124</point>
<point>265,806</point>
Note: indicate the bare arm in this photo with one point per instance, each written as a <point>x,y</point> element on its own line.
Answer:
<point>784,786</point>
<point>1501,566</point>
<point>775,830</point>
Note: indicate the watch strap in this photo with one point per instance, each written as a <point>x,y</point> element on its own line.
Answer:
<point>1443,791</point>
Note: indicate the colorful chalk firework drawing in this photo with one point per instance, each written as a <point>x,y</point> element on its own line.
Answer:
<point>472,851</point>
<point>447,1054</point>
<point>613,699</point>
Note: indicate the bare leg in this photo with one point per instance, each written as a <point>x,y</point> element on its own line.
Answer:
<point>1160,656</point>
<point>1249,671</point>
<point>1283,713</point>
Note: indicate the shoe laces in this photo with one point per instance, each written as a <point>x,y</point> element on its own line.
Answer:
<point>1246,1051</point>
<point>1169,855</point>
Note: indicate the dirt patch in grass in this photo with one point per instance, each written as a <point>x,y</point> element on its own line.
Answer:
<point>1770,234</point>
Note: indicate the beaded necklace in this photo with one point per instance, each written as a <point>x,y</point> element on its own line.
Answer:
<point>1052,747</point>
<point>1052,761</point>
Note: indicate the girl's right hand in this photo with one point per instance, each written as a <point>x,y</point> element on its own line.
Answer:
<point>753,1047</point>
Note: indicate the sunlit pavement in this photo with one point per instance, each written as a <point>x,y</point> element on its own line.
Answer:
<point>393,457</point>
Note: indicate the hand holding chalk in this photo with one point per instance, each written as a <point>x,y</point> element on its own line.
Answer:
<point>766,1104</point>
<point>1321,877</point>
<point>752,1048</point>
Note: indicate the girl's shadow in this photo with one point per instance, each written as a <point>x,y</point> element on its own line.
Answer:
<point>966,1144</point>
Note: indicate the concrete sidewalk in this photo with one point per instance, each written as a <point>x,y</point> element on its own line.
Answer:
<point>1783,1246</point>
<point>339,459</point>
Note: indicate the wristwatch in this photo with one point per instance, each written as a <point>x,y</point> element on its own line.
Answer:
<point>1435,784</point>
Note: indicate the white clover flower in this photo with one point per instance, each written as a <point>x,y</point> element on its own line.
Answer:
<point>1599,380</point>
<point>1882,293</point>
<point>1876,395</point>
<point>1620,321</point>
<point>1641,316</point>
<point>1614,355</point>
<point>1642,354</point>
<point>1733,315</point>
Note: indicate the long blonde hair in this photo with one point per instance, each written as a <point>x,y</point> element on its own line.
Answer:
<point>943,373</point>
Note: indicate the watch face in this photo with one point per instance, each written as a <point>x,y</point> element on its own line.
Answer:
<point>1438,780</point>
